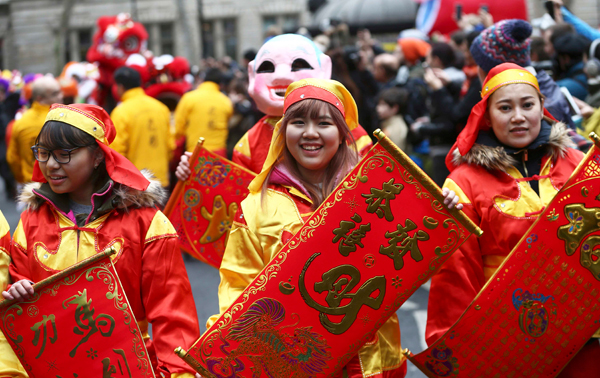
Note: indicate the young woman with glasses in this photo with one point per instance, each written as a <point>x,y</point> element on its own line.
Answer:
<point>86,199</point>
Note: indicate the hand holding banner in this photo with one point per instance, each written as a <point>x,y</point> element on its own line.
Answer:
<point>202,208</point>
<point>379,236</point>
<point>78,323</point>
<point>543,303</point>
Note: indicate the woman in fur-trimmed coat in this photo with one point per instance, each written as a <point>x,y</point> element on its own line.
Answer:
<point>87,199</point>
<point>506,166</point>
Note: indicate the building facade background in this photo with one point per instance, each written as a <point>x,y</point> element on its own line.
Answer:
<point>31,31</point>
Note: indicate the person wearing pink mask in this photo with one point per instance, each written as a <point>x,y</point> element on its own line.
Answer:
<point>279,62</point>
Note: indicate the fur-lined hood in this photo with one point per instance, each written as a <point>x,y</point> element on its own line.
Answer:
<point>497,158</point>
<point>122,196</point>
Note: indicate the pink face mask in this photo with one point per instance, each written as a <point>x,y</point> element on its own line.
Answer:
<point>279,62</point>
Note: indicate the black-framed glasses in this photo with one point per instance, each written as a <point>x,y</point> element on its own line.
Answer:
<point>62,156</point>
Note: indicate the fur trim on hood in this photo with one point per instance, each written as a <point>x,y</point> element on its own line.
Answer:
<point>496,158</point>
<point>124,196</point>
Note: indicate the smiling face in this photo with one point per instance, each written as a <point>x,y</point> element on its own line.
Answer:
<point>73,178</point>
<point>515,113</point>
<point>279,62</point>
<point>77,177</point>
<point>313,140</point>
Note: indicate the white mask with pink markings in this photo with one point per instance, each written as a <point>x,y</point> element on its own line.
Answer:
<point>279,62</point>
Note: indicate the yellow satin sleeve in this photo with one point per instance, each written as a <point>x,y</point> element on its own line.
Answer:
<point>9,363</point>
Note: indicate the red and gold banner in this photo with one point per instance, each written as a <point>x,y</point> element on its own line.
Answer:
<point>379,236</point>
<point>202,207</point>
<point>78,324</point>
<point>543,303</point>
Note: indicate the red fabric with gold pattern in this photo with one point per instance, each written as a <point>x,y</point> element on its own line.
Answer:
<point>152,271</point>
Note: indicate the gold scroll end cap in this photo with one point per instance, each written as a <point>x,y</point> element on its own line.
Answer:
<point>180,352</point>
<point>406,352</point>
<point>595,138</point>
<point>379,134</point>
<point>478,232</point>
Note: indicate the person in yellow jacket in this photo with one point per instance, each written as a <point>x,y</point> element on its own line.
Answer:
<point>143,126</point>
<point>204,112</point>
<point>9,363</point>
<point>313,151</point>
<point>45,91</point>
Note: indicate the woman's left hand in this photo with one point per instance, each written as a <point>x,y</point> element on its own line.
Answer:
<point>451,199</point>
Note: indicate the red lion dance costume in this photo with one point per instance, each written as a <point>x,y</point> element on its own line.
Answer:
<point>119,42</point>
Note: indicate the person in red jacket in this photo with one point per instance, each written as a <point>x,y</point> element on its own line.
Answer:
<point>87,198</point>
<point>506,166</point>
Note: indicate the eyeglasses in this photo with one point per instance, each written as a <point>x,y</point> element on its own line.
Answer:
<point>62,156</point>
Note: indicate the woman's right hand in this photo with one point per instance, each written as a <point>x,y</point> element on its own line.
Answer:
<point>20,290</point>
<point>183,168</point>
<point>451,199</point>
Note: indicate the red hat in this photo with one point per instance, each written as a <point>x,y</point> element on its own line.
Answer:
<point>95,121</point>
<point>499,76</point>
<point>414,49</point>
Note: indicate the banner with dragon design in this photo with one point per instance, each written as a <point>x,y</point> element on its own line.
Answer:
<point>379,236</point>
<point>78,324</point>
<point>202,208</point>
<point>542,304</point>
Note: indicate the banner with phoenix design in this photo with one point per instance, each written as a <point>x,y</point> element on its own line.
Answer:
<point>379,236</point>
<point>543,303</point>
<point>78,324</point>
<point>202,208</point>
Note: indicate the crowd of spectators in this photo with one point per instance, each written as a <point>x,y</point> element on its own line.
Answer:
<point>421,92</point>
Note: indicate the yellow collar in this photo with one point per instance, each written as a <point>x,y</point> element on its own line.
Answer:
<point>210,86</point>
<point>133,92</point>
<point>40,107</point>
<point>293,190</point>
<point>272,120</point>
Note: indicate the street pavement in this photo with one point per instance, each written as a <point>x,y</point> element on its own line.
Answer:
<point>205,281</point>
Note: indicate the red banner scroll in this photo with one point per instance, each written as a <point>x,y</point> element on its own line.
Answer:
<point>543,303</point>
<point>378,237</point>
<point>79,323</point>
<point>202,207</point>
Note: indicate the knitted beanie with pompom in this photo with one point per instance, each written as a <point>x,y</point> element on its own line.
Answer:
<point>505,41</point>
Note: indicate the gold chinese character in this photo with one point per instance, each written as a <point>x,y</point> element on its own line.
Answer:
<point>109,369</point>
<point>339,282</point>
<point>401,243</point>
<point>85,313</point>
<point>348,243</point>
<point>42,325</point>
<point>376,203</point>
